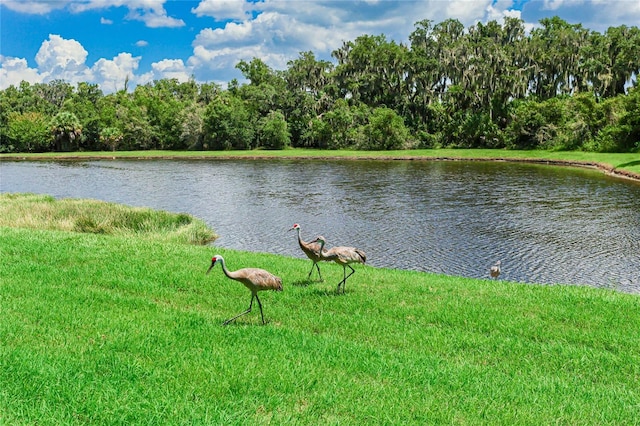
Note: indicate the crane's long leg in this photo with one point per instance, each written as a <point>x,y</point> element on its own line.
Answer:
<point>260,306</point>
<point>245,312</point>
<point>315,265</point>
<point>344,274</point>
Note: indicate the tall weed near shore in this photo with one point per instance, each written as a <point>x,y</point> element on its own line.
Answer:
<point>101,329</point>
<point>98,217</point>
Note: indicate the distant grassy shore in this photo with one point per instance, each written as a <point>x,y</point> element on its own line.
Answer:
<point>99,217</point>
<point>626,165</point>
<point>101,328</point>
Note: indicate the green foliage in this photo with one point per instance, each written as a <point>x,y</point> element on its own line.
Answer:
<point>84,103</point>
<point>164,103</point>
<point>66,130</point>
<point>228,124</point>
<point>631,119</point>
<point>273,131</point>
<point>191,127</point>
<point>385,131</point>
<point>536,124</point>
<point>27,132</point>
<point>111,137</point>
<point>489,85</point>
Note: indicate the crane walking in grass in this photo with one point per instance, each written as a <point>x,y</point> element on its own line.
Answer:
<point>311,249</point>
<point>495,270</point>
<point>253,278</point>
<point>343,256</point>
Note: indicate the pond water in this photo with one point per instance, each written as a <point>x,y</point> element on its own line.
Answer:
<point>546,224</point>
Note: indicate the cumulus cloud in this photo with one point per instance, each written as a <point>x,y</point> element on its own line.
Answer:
<point>113,74</point>
<point>59,58</point>
<point>222,10</point>
<point>142,43</point>
<point>15,70</point>
<point>105,21</point>
<point>170,68</point>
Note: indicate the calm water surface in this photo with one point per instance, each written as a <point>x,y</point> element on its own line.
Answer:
<point>547,225</point>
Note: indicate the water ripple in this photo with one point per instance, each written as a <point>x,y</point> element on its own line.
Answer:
<point>546,225</point>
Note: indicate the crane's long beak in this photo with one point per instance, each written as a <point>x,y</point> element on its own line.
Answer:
<point>213,263</point>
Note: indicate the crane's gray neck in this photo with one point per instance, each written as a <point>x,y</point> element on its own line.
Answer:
<point>224,267</point>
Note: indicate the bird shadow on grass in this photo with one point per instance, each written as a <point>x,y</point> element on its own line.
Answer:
<point>245,323</point>
<point>304,283</point>
<point>326,292</point>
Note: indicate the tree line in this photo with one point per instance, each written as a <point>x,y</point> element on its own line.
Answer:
<point>490,85</point>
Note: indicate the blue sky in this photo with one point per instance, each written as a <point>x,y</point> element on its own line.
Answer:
<point>109,41</point>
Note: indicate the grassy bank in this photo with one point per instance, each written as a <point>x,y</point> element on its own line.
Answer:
<point>113,329</point>
<point>626,164</point>
<point>98,217</point>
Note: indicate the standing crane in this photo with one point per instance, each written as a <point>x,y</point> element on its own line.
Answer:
<point>495,270</point>
<point>343,256</point>
<point>311,249</point>
<point>254,279</point>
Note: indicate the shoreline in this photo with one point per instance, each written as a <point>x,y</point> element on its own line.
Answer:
<point>605,168</point>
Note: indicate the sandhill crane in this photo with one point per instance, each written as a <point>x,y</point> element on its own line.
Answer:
<point>342,256</point>
<point>495,270</point>
<point>253,278</point>
<point>311,249</point>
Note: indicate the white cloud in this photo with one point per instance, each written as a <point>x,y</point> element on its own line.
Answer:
<point>170,68</point>
<point>111,74</point>
<point>142,43</point>
<point>15,70</point>
<point>105,21</point>
<point>467,12</point>
<point>498,10</point>
<point>35,7</point>
<point>155,18</point>
<point>557,4</point>
<point>64,59</point>
<point>222,10</point>
<point>231,33</point>
<point>151,12</point>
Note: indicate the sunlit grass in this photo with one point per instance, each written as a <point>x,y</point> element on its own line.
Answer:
<point>98,217</point>
<point>108,329</point>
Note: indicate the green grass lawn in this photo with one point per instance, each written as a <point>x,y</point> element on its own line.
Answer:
<point>621,161</point>
<point>123,329</point>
